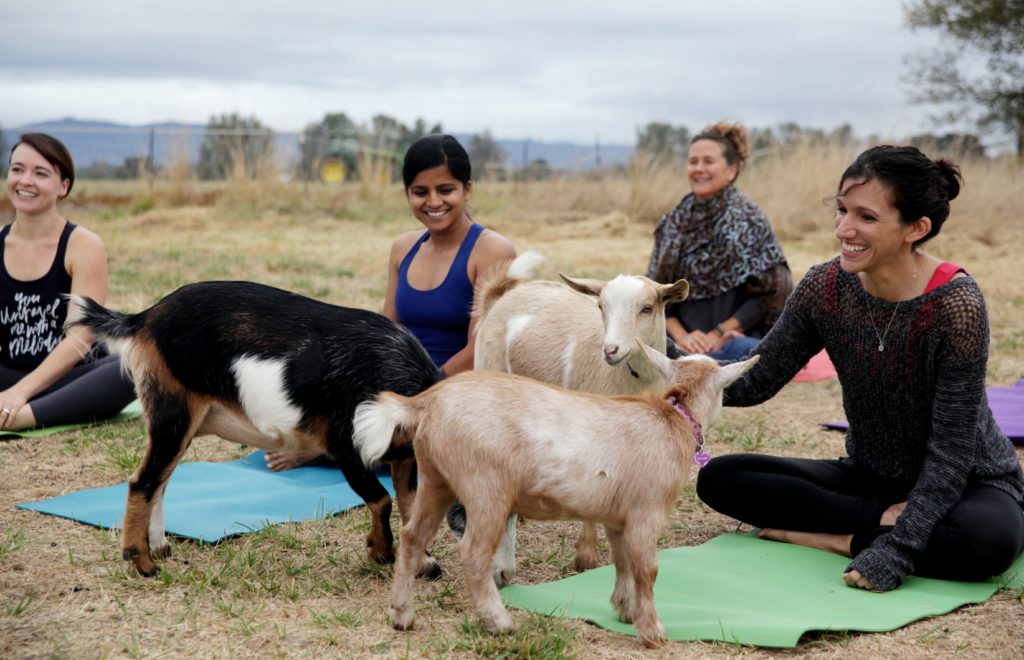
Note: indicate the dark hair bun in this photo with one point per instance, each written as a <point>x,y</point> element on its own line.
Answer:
<point>950,171</point>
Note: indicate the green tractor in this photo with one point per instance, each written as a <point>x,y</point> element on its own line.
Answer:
<point>338,157</point>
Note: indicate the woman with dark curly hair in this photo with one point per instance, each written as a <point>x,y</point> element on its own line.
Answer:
<point>930,486</point>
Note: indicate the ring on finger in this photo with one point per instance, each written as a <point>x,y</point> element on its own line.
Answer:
<point>5,411</point>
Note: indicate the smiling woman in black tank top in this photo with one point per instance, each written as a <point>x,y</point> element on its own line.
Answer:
<point>47,377</point>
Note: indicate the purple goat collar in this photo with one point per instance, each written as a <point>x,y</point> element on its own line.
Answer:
<point>700,457</point>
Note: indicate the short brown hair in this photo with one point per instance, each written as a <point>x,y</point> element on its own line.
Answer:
<point>54,151</point>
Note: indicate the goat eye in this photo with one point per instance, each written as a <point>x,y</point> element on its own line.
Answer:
<point>647,310</point>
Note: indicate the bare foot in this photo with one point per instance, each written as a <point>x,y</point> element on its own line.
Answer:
<point>837,543</point>
<point>890,515</point>
<point>278,461</point>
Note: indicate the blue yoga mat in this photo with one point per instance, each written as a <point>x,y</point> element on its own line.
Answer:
<point>212,501</point>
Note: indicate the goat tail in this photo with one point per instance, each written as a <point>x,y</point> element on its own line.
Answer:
<point>503,278</point>
<point>114,327</point>
<point>383,428</point>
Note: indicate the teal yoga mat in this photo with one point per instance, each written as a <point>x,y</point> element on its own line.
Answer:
<point>131,411</point>
<point>212,501</point>
<point>744,590</point>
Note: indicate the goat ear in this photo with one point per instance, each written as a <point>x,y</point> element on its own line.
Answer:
<point>589,287</point>
<point>673,293</point>
<point>731,372</point>
<point>664,364</point>
<point>678,391</point>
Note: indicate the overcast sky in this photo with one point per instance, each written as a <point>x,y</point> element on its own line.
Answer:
<point>546,70</point>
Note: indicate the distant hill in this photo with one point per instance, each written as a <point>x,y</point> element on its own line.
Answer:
<point>92,142</point>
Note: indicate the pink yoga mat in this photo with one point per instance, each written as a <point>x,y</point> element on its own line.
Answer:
<point>819,367</point>
<point>1007,404</point>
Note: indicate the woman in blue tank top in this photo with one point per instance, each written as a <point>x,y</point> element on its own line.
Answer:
<point>431,274</point>
<point>44,378</point>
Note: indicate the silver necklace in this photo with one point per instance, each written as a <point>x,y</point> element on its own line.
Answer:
<point>871,316</point>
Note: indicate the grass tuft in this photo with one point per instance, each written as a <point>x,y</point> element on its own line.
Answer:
<point>540,637</point>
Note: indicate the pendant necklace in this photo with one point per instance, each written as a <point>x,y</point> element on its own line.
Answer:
<point>871,316</point>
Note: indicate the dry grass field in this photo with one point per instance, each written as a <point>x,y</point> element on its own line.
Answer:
<point>307,590</point>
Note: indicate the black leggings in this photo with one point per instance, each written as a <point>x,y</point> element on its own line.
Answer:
<point>979,537</point>
<point>92,390</point>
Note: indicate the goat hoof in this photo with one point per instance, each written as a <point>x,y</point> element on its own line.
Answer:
<point>141,560</point>
<point>586,563</point>
<point>500,625</point>
<point>655,641</point>
<point>430,570</point>
<point>161,552</point>
<point>502,578</point>
<point>382,556</point>
<point>402,620</point>
<point>146,568</point>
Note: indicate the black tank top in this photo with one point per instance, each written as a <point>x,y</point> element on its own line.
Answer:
<point>32,313</point>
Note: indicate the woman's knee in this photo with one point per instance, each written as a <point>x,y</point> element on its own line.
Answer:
<point>717,479</point>
<point>980,542</point>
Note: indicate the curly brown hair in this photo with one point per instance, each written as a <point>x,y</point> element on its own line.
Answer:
<point>732,137</point>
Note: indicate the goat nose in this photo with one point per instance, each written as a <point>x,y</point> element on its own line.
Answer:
<point>610,351</point>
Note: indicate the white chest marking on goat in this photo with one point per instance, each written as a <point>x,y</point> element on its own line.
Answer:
<point>515,327</point>
<point>567,352</point>
<point>263,395</point>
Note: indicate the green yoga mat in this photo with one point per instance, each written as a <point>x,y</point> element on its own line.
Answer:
<point>131,411</point>
<point>744,590</point>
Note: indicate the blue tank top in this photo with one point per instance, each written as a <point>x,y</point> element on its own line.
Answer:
<point>439,318</point>
<point>32,313</point>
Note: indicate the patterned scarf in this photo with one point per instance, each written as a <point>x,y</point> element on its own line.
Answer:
<point>716,244</point>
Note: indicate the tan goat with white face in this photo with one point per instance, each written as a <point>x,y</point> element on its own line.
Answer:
<point>504,444</point>
<point>580,335</point>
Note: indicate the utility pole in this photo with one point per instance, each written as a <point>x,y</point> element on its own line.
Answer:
<point>151,158</point>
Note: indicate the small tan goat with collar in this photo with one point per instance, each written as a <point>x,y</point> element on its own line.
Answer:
<point>505,444</point>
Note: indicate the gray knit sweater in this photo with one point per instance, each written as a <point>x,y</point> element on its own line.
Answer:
<point>918,414</point>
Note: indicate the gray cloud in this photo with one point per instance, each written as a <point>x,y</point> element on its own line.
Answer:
<point>547,70</point>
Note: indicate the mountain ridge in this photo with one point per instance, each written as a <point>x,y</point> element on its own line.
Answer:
<point>96,141</point>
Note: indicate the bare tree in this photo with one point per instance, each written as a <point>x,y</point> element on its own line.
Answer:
<point>664,142</point>
<point>235,146</point>
<point>972,31</point>
<point>485,154</point>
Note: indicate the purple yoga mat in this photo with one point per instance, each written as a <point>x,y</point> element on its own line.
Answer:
<point>1007,404</point>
